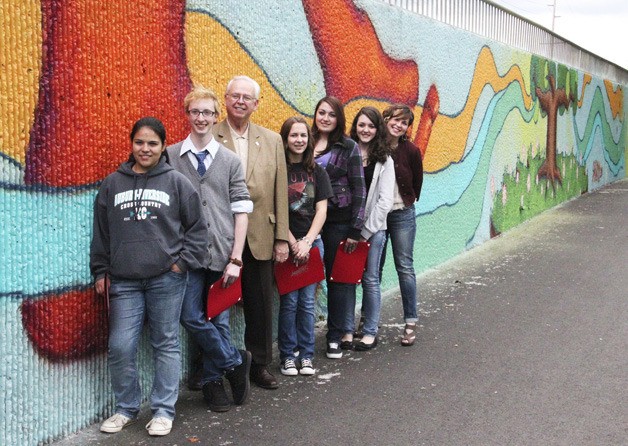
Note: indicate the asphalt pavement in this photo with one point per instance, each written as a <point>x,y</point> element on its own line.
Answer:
<point>522,341</point>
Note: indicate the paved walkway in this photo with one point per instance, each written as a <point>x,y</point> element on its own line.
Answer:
<point>523,341</point>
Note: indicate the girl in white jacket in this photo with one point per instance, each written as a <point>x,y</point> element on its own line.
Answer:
<point>369,131</point>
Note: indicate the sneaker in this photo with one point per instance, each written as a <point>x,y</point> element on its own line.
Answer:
<point>115,423</point>
<point>239,379</point>
<point>159,426</point>
<point>333,350</point>
<point>215,396</point>
<point>307,368</point>
<point>289,368</point>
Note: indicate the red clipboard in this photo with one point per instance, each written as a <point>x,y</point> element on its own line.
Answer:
<point>290,277</point>
<point>219,298</point>
<point>348,268</point>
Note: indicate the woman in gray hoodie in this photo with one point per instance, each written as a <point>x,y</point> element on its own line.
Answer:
<point>148,232</point>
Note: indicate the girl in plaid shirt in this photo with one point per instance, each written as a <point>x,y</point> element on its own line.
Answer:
<point>341,158</point>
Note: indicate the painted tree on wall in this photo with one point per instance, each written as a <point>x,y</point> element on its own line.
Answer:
<point>555,87</point>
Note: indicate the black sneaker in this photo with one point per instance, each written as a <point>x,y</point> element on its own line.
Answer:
<point>216,397</point>
<point>307,368</point>
<point>289,367</point>
<point>333,350</point>
<point>239,379</point>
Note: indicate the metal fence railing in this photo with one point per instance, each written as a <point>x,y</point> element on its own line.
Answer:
<point>487,19</point>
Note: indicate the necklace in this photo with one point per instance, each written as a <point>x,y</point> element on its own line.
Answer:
<point>365,156</point>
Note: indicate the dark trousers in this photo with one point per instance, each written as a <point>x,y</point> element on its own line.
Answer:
<point>340,296</point>
<point>258,291</point>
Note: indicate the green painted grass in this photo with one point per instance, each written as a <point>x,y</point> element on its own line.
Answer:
<point>523,195</point>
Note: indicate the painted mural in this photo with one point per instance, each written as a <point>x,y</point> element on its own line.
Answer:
<point>504,135</point>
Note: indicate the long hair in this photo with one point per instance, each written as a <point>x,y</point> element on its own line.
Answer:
<point>308,155</point>
<point>399,111</point>
<point>341,123</point>
<point>377,148</point>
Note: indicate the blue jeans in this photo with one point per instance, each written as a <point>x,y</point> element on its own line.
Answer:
<point>371,289</point>
<point>213,336</point>
<point>340,296</point>
<point>296,320</point>
<point>130,301</point>
<point>402,231</point>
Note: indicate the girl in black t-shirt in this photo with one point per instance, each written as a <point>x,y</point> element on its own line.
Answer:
<point>308,190</point>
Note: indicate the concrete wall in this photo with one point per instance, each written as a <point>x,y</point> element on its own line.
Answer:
<point>76,75</point>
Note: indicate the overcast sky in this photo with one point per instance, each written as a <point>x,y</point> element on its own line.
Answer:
<point>599,26</point>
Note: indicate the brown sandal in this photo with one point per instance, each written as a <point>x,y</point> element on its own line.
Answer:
<point>409,335</point>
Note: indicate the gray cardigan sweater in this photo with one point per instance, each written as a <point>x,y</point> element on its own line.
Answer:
<point>222,185</point>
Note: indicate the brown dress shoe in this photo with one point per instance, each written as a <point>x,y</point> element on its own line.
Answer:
<point>262,377</point>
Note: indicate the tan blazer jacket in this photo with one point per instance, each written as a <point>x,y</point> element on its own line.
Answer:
<point>267,181</point>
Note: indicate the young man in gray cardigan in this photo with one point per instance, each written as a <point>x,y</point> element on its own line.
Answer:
<point>217,174</point>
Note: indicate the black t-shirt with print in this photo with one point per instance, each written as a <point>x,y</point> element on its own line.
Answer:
<point>304,191</point>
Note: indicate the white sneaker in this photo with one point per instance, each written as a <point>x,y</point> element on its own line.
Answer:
<point>307,368</point>
<point>159,426</point>
<point>115,423</point>
<point>289,368</point>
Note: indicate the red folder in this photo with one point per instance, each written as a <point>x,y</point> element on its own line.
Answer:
<point>348,268</point>
<point>290,277</point>
<point>219,298</point>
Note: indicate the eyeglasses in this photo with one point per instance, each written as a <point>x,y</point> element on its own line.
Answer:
<point>206,113</point>
<point>241,97</point>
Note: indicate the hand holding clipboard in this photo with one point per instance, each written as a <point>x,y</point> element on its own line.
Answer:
<point>348,268</point>
<point>291,276</point>
<point>220,298</point>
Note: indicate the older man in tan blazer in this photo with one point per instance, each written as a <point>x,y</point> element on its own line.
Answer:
<point>262,155</point>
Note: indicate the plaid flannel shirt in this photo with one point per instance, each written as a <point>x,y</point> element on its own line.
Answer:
<point>347,180</point>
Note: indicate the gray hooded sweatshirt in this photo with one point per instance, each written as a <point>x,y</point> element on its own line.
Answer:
<point>145,223</point>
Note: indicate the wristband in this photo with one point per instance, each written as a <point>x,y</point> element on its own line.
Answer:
<point>235,261</point>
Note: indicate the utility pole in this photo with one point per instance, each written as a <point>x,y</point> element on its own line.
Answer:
<point>553,14</point>
<point>553,5</point>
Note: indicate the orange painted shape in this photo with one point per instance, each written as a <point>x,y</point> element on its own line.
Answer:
<point>586,81</point>
<point>615,99</point>
<point>20,59</point>
<point>105,65</point>
<point>428,116</point>
<point>352,58</point>
<point>69,326</point>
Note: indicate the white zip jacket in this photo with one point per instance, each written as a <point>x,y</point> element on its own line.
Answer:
<point>379,200</point>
